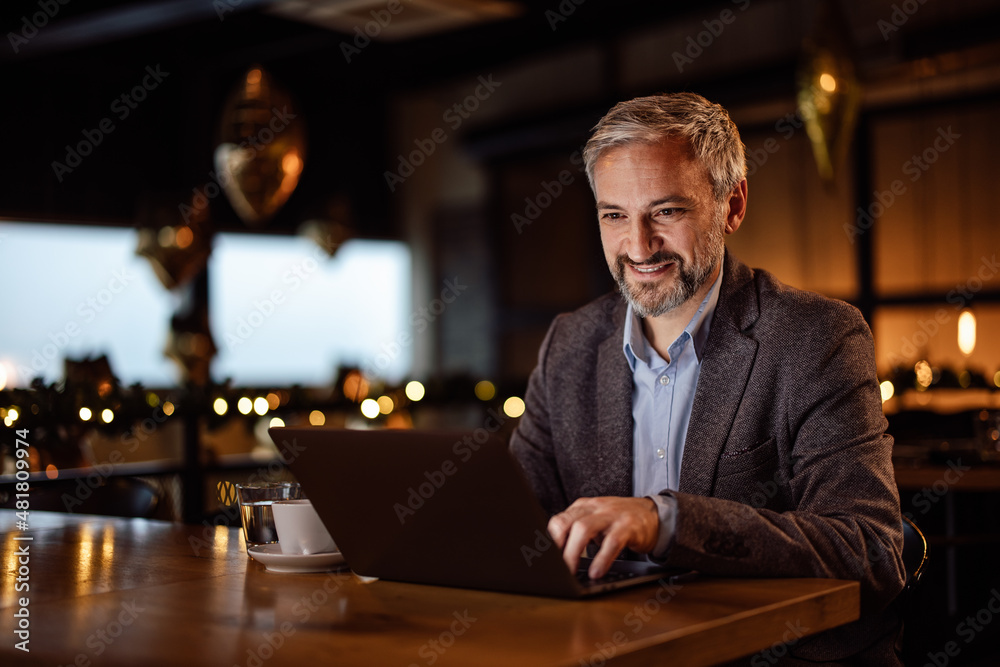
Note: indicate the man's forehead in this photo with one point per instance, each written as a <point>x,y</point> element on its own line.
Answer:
<point>667,156</point>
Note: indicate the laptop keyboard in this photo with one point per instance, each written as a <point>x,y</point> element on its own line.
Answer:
<point>609,578</point>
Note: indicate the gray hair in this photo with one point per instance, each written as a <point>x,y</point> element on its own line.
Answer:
<point>707,128</point>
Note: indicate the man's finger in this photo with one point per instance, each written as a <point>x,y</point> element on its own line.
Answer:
<point>558,525</point>
<point>611,546</point>
<point>579,536</point>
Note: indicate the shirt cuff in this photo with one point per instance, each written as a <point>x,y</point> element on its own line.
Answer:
<point>666,508</point>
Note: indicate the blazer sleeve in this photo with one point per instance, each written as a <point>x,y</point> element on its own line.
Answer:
<point>843,520</point>
<point>531,442</point>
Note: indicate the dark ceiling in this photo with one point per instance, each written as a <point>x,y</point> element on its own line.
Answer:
<point>62,75</point>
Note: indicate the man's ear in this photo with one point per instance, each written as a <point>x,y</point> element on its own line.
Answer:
<point>737,207</point>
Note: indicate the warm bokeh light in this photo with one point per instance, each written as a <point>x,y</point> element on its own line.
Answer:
<point>260,405</point>
<point>369,408</point>
<point>996,379</point>
<point>51,472</point>
<point>291,163</point>
<point>86,414</point>
<point>13,413</point>
<point>152,400</point>
<point>276,421</point>
<point>184,237</point>
<point>485,391</point>
<point>967,332</point>
<point>965,379</point>
<point>166,236</point>
<point>273,401</point>
<point>355,386</point>
<point>925,375</point>
<point>254,76</point>
<point>513,407</point>
<point>220,406</point>
<point>8,422</point>
<point>887,390</point>
<point>107,415</point>
<point>317,418</point>
<point>385,404</point>
<point>168,408</point>
<point>244,405</point>
<point>414,390</point>
<point>827,82</point>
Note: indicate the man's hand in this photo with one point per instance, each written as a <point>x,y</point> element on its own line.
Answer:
<point>615,523</point>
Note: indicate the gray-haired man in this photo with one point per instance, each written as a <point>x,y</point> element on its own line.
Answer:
<point>714,418</point>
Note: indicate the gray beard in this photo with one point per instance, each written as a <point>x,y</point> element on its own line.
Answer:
<point>652,300</point>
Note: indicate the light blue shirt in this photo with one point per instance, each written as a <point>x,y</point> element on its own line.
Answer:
<point>662,397</point>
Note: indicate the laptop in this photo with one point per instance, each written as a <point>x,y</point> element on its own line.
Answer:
<point>441,508</point>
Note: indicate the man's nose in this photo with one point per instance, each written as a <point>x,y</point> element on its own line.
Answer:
<point>643,241</point>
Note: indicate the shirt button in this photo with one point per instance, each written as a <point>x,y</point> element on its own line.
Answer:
<point>660,453</point>
<point>664,380</point>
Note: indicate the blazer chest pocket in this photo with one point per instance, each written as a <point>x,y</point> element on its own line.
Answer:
<point>748,459</point>
<point>752,477</point>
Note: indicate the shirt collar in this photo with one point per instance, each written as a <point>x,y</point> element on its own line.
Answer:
<point>634,342</point>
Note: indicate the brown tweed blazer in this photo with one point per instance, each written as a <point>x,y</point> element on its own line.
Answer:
<point>787,468</point>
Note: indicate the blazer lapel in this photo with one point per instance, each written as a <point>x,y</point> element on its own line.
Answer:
<point>725,370</point>
<point>613,449</point>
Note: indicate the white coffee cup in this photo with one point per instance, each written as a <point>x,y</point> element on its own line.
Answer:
<point>299,528</point>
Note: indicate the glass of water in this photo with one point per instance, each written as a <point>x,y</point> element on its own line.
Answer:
<point>255,509</point>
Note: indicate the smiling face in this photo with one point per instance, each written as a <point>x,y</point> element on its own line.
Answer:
<point>661,227</point>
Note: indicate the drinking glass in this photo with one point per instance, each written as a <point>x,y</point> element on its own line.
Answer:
<point>255,509</point>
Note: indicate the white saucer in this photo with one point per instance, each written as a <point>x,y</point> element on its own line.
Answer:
<point>275,561</point>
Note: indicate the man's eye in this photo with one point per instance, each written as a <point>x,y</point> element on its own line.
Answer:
<point>669,211</point>
<point>611,215</point>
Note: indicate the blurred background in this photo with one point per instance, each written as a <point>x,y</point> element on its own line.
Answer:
<point>220,215</point>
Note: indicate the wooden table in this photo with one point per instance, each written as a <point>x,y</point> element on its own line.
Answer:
<point>139,592</point>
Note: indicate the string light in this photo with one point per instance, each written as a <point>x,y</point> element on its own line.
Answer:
<point>485,390</point>
<point>887,390</point>
<point>513,407</point>
<point>260,405</point>
<point>370,408</point>
<point>414,390</point>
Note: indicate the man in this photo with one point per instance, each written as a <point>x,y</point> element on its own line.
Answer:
<point>715,418</point>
